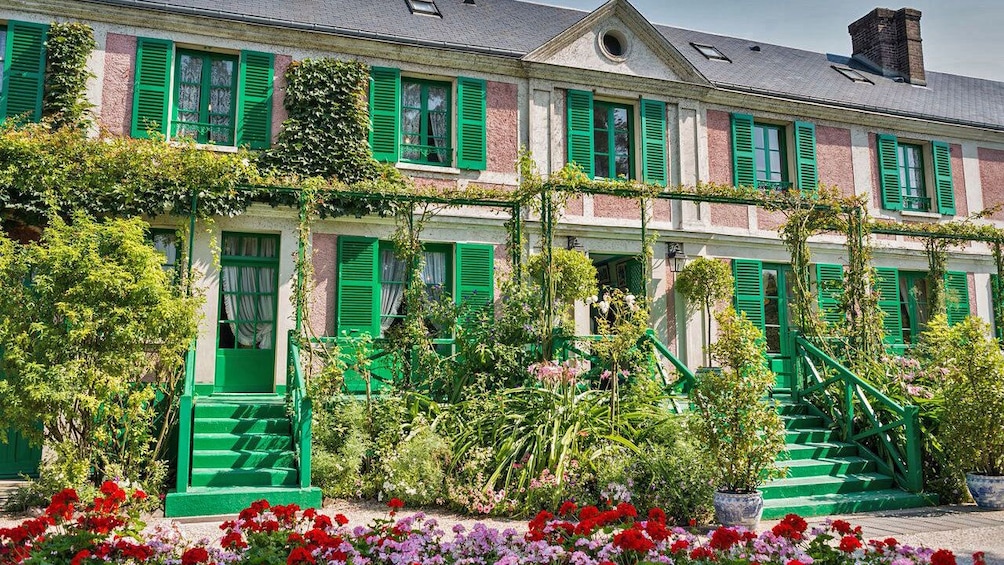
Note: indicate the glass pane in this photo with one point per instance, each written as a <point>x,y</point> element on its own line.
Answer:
<point>600,117</point>
<point>601,142</point>
<point>761,163</point>
<point>219,100</point>
<point>189,97</point>
<point>771,310</point>
<point>221,133</point>
<point>249,246</point>
<point>602,166</point>
<point>773,335</point>
<point>758,137</point>
<point>437,98</point>
<point>166,243</point>
<point>191,69</point>
<point>772,138</point>
<point>620,118</point>
<point>392,269</point>
<point>621,143</point>
<point>769,283</point>
<point>411,121</point>
<point>222,73</point>
<point>775,162</point>
<point>623,169</point>
<point>411,95</point>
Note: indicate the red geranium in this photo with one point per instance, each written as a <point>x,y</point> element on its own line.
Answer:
<point>395,503</point>
<point>943,557</point>
<point>679,545</point>
<point>341,520</point>
<point>657,515</point>
<point>194,555</point>
<point>849,543</point>
<point>627,510</point>
<point>702,553</point>
<point>979,558</point>
<point>233,540</point>
<point>568,508</point>
<point>724,538</point>
<point>300,556</point>
<point>841,527</point>
<point>632,539</point>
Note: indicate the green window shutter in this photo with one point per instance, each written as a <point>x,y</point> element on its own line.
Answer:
<point>385,113</point>
<point>358,286</point>
<point>635,277</point>
<point>957,295</point>
<point>254,120</point>
<point>749,290</point>
<point>997,295</point>
<point>580,130</point>
<point>944,188</point>
<point>472,129</point>
<point>887,286</point>
<point>653,136</point>
<point>152,86</point>
<point>888,162</point>
<point>23,71</point>
<point>806,171</point>
<point>475,274</point>
<point>830,288</point>
<point>743,160</point>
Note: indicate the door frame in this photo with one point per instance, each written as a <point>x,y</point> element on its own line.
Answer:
<point>786,354</point>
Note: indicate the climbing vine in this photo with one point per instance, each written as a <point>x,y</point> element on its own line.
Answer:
<point>64,102</point>
<point>937,268</point>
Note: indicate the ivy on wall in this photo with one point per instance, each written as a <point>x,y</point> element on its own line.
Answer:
<point>64,102</point>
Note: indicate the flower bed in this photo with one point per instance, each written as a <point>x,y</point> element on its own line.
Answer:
<point>108,530</point>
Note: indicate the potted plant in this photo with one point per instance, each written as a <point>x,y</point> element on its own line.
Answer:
<point>742,432</point>
<point>971,428</point>
<point>705,282</point>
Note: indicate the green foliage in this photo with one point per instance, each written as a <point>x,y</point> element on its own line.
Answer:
<point>574,274</point>
<point>705,282</point>
<point>415,469</point>
<point>743,434</point>
<point>64,102</point>
<point>90,344</point>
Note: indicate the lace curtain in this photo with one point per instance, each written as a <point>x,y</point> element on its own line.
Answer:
<point>254,299</point>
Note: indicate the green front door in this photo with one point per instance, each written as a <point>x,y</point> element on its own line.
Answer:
<point>777,296</point>
<point>18,457</point>
<point>245,347</point>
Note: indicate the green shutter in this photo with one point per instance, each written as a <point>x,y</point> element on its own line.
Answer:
<point>254,120</point>
<point>806,171</point>
<point>997,295</point>
<point>580,130</point>
<point>830,288</point>
<point>888,162</point>
<point>472,130</point>
<point>358,286</point>
<point>653,142</point>
<point>635,276</point>
<point>944,189</point>
<point>887,286</point>
<point>151,86</point>
<point>475,274</point>
<point>743,160</point>
<point>385,113</point>
<point>748,275</point>
<point>957,296</point>
<point>23,71</point>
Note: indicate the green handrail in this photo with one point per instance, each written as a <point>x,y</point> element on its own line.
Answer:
<point>685,381</point>
<point>896,456</point>
<point>185,422</point>
<point>302,413</point>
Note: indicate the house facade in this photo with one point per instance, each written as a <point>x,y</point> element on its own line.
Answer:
<point>459,86</point>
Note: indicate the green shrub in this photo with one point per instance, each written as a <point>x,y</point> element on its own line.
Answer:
<point>705,282</point>
<point>414,470</point>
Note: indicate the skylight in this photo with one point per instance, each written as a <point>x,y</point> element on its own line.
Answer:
<point>426,7</point>
<point>852,74</point>
<point>710,52</point>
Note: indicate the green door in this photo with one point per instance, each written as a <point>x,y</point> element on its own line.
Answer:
<point>777,295</point>
<point>245,347</point>
<point>18,457</point>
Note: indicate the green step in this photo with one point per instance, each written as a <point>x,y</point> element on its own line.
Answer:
<point>801,421</point>
<point>822,466</point>
<point>849,503</point>
<point>244,459</point>
<point>282,476</point>
<point>206,408</point>
<point>814,450</point>
<point>208,501</point>
<point>242,425</point>
<point>806,486</point>
<point>808,435</point>
<point>791,409</point>
<point>257,442</point>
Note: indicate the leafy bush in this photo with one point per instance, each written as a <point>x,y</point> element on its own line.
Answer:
<point>92,334</point>
<point>415,469</point>
<point>574,276</point>
<point>67,47</point>
<point>705,282</point>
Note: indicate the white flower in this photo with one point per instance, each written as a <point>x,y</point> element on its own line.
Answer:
<point>629,299</point>
<point>604,307</point>
<point>591,299</point>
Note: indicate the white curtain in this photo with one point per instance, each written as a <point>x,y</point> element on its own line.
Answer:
<point>434,272</point>
<point>251,306</point>
<point>391,293</point>
<point>438,122</point>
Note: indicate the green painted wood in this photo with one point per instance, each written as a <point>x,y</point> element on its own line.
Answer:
<point>887,286</point>
<point>358,299</point>
<point>806,169</point>
<point>257,442</point>
<point>472,129</point>
<point>888,165</point>
<point>997,295</point>
<point>579,127</point>
<point>385,113</point>
<point>475,277</point>
<point>23,71</point>
<point>255,91</point>
<point>223,478</point>
<point>243,425</point>
<point>18,457</point>
<point>809,435</point>
<point>830,289</point>
<point>208,501</point>
<point>957,296</point>
<point>821,466</point>
<point>944,185</point>
<point>151,86</point>
<point>654,164</point>
<point>242,458</point>
<point>845,503</point>
<point>748,275</point>
<point>826,484</point>
<point>743,159</point>
<point>820,450</point>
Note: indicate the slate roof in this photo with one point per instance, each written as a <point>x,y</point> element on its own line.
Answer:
<point>514,28</point>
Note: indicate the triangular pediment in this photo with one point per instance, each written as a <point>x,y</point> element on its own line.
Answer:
<point>646,53</point>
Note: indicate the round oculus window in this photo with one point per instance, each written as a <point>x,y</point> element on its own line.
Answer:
<point>614,44</point>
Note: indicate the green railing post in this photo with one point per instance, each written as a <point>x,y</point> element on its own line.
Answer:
<point>185,422</point>
<point>306,431</point>
<point>848,409</point>
<point>914,470</point>
<point>797,377</point>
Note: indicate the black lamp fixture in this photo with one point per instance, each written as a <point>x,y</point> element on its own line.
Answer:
<point>675,256</point>
<point>574,244</point>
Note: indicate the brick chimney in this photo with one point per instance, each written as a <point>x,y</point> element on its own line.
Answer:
<point>890,40</point>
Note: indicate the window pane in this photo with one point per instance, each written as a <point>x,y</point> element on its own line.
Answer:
<point>411,122</point>
<point>437,99</point>
<point>600,117</point>
<point>758,135</point>
<point>620,118</point>
<point>392,269</point>
<point>621,143</point>
<point>773,335</point>
<point>189,97</point>
<point>775,166</point>
<point>602,166</point>
<point>191,69</point>
<point>772,138</point>
<point>623,167</point>
<point>219,100</point>
<point>761,164</point>
<point>601,142</point>
<point>222,73</point>
<point>411,95</point>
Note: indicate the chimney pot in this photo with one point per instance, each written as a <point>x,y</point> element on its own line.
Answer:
<point>890,40</point>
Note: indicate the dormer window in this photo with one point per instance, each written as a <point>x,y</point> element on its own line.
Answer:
<point>710,52</point>
<point>425,7</point>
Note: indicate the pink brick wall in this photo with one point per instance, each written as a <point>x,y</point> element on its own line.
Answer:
<point>730,216</point>
<point>503,127</point>
<point>767,220</point>
<point>322,298</point>
<point>279,114</point>
<point>606,206</point>
<point>992,178</point>
<point>958,182</point>
<point>833,156</point>
<point>875,189</point>
<point>574,206</point>
<point>719,152</point>
<point>116,90</point>
<point>661,210</point>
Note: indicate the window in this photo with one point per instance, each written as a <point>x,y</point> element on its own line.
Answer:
<point>426,7</point>
<point>166,242</point>
<point>913,304</point>
<point>710,52</point>
<point>425,122</point>
<point>411,120</point>
<point>372,281</point>
<point>904,297</point>
<point>907,169</point>
<point>22,62</point>
<point>760,154</point>
<point>601,138</point>
<point>223,99</point>
<point>852,74</point>
<point>205,97</point>
<point>613,133</point>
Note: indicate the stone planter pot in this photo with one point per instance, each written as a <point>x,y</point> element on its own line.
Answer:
<point>738,509</point>
<point>987,490</point>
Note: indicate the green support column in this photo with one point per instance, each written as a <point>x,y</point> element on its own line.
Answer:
<point>646,263</point>
<point>301,255</point>
<point>191,239</point>
<point>547,278</point>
